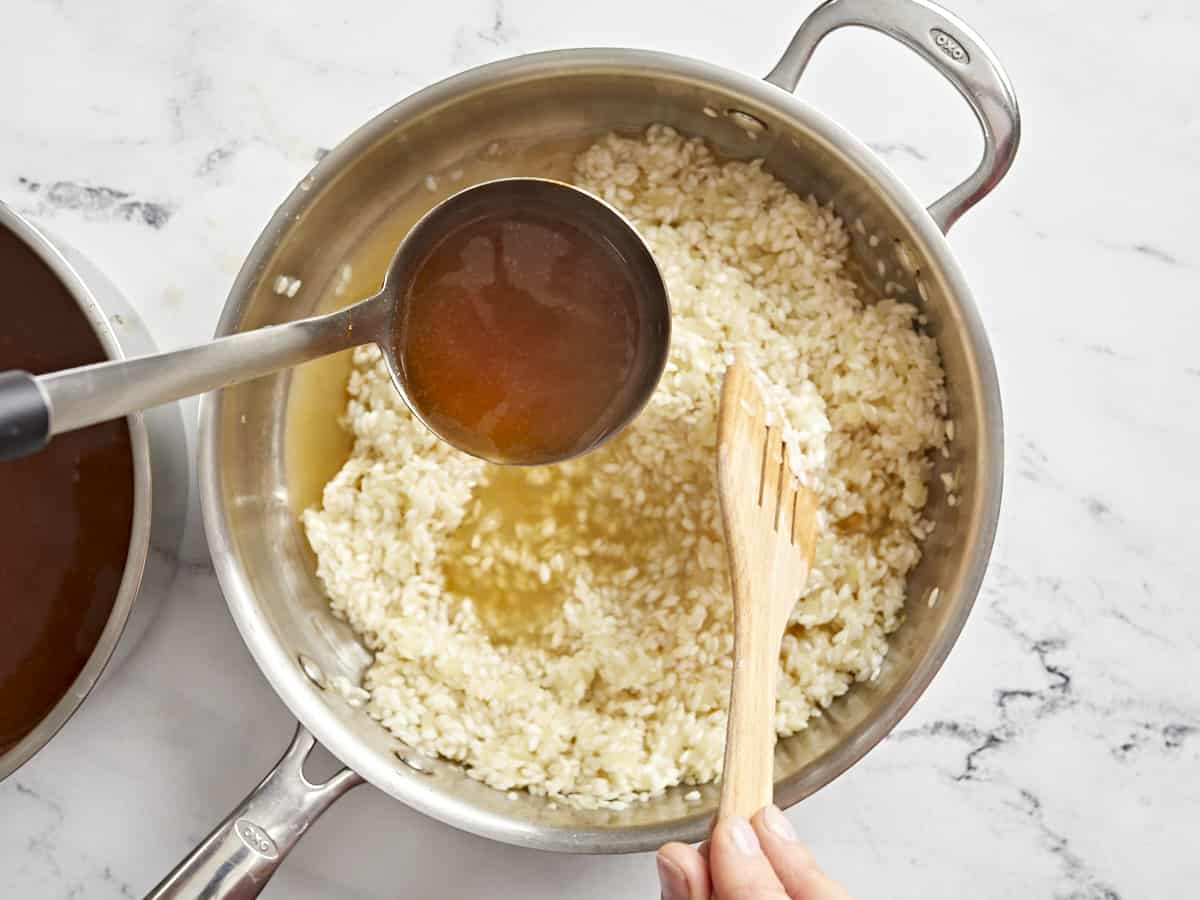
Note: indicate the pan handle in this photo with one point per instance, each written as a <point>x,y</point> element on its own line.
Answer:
<point>238,859</point>
<point>950,46</point>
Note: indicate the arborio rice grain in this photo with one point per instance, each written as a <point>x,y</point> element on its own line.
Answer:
<point>617,687</point>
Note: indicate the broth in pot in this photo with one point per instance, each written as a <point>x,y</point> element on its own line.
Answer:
<point>69,508</point>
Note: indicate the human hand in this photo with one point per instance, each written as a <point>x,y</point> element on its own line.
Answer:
<point>757,860</point>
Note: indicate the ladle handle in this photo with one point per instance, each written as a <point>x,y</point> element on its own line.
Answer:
<point>32,409</point>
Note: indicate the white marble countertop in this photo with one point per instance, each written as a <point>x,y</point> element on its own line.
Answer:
<point>1058,752</point>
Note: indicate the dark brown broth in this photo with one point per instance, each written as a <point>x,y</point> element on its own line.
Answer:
<point>67,510</point>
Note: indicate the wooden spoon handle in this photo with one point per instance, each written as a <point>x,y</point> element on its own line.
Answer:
<point>749,771</point>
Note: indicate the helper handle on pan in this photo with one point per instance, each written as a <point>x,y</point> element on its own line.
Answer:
<point>950,46</point>
<point>240,856</point>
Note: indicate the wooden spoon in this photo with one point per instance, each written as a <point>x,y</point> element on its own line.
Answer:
<point>770,522</point>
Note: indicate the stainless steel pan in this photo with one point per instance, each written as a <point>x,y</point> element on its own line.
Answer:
<point>260,554</point>
<point>160,473</point>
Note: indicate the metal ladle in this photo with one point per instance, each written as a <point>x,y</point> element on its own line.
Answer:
<point>32,409</point>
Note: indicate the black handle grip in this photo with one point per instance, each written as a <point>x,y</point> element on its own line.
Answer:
<point>24,415</point>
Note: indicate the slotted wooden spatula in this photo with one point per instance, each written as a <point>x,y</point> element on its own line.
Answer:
<point>770,522</point>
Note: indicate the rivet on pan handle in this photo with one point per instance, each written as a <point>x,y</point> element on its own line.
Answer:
<point>241,854</point>
<point>950,46</point>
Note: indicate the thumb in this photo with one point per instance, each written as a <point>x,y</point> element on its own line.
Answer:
<point>739,869</point>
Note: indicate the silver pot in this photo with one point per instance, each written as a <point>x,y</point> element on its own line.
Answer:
<point>261,556</point>
<point>160,471</point>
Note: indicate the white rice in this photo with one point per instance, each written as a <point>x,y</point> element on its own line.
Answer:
<point>286,285</point>
<point>607,680</point>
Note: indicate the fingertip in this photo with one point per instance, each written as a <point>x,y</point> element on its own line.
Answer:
<point>691,867</point>
<point>676,853</point>
<point>793,863</point>
<point>771,820</point>
<point>739,834</point>
<point>737,863</point>
<point>778,837</point>
<point>671,880</point>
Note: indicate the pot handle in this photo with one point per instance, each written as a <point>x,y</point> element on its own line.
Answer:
<point>950,46</point>
<point>241,854</point>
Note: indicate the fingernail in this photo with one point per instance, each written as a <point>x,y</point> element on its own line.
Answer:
<point>743,836</point>
<point>778,824</point>
<point>671,877</point>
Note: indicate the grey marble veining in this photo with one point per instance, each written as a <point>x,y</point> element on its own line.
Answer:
<point>1057,755</point>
